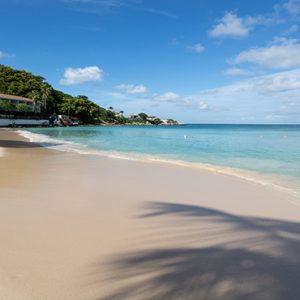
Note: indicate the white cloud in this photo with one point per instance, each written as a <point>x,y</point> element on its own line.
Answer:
<point>237,72</point>
<point>250,21</point>
<point>254,100</point>
<point>292,7</point>
<point>191,102</point>
<point>132,89</point>
<point>278,82</point>
<point>6,55</point>
<point>231,26</point>
<point>166,97</point>
<point>292,29</point>
<point>203,106</point>
<point>284,54</point>
<point>274,84</point>
<point>81,75</point>
<point>198,48</point>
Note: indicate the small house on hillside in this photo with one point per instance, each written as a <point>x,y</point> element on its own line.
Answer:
<point>15,100</point>
<point>134,117</point>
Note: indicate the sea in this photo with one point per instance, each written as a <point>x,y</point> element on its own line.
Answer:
<point>266,154</point>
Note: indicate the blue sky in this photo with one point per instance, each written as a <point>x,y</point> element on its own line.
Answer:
<point>197,61</point>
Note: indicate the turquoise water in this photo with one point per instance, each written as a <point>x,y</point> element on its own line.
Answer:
<point>265,149</point>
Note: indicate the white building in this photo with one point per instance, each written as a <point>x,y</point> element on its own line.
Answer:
<point>15,100</point>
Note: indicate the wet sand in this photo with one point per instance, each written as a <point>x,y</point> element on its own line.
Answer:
<point>84,227</point>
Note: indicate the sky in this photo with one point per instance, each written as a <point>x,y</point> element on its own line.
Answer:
<point>196,61</point>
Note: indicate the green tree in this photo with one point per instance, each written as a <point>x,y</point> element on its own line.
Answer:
<point>143,116</point>
<point>156,121</point>
<point>18,82</point>
<point>46,91</point>
<point>22,107</point>
<point>35,96</point>
<point>25,84</point>
<point>6,105</point>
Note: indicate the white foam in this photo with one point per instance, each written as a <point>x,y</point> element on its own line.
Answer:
<point>47,142</point>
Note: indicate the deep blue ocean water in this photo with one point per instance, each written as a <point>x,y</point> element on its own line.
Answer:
<point>270,150</point>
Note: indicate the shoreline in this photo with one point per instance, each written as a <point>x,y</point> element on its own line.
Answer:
<point>49,148</point>
<point>275,182</point>
<point>84,227</point>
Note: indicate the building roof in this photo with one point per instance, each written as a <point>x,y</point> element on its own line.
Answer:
<point>12,97</point>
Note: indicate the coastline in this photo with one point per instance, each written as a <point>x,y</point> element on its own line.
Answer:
<point>85,227</point>
<point>278,183</point>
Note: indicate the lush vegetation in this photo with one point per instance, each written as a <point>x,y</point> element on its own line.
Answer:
<point>54,102</point>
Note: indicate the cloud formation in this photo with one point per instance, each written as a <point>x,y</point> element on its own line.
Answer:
<point>292,7</point>
<point>80,75</point>
<point>288,81</point>
<point>237,72</point>
<point>198,48</point>
<point>233,26</point>
<point>132,89</point>
<point>203,105</point>
<point>6,55</point>
<point>282,54</point>
<point>268,99</point>
<point>230,26</point>
<point>166,97</point>
<point>292,29</point>
<point>278,82</point>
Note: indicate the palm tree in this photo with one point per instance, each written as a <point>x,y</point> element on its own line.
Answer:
<point>46,91</point>
<point>35,96</point>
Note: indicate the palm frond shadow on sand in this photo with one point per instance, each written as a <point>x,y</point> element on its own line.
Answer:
<point>265,266</point>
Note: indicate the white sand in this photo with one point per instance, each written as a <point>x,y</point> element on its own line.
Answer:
<point>84,227</point>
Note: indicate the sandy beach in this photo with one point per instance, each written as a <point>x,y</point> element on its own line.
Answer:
<point>85,227</point>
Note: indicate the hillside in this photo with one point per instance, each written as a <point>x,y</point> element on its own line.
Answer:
<point>55,102</point>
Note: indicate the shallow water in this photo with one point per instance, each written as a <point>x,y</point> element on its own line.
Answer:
<point>272,151</point>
